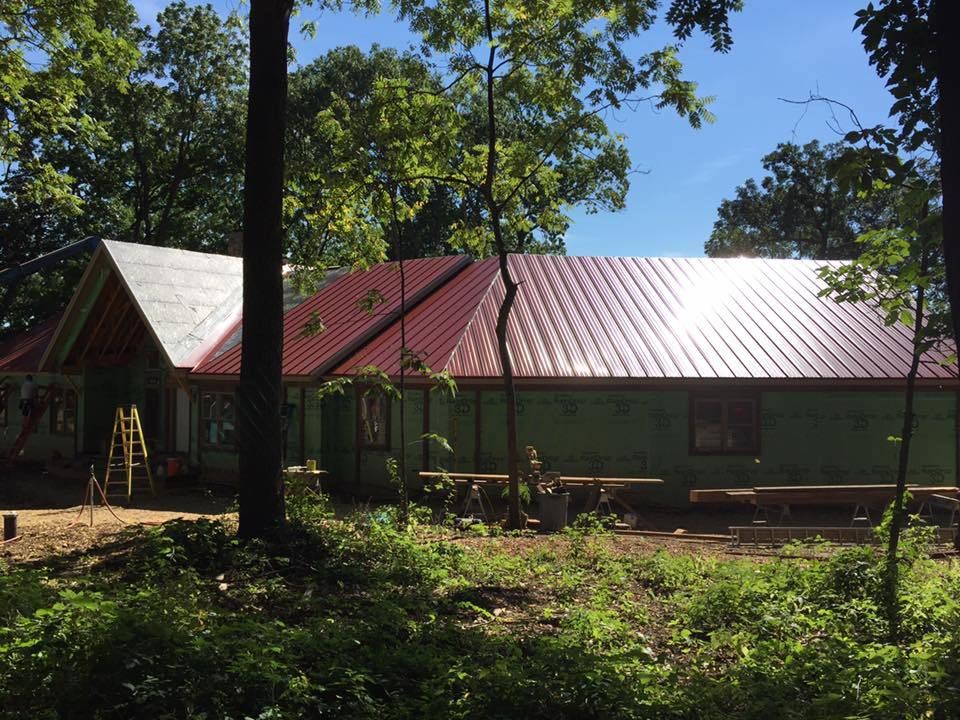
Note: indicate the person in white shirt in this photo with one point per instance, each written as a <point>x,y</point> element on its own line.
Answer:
<point>28,394</point>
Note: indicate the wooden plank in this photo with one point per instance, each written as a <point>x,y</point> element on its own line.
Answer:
<point>837,496</point>
<point>103,317</point>
<point>890,486</point>
<point>880,489</point>
<point>138,330</point>
<point>721,496</point>
<point>464,476</point>
<point>117,322</point>
<point>813,494</point>
<point>573,479</point>
<point>778,535</point>
<point>688,537</point>
<point>604,484</point>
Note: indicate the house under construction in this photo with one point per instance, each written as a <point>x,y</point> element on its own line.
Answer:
<point>704,372</point>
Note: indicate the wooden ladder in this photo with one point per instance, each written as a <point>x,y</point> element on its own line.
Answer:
<point>128,457</point>
<point>29,427</point>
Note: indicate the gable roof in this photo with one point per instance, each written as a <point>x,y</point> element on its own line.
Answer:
<point>347,326</point>
<point>652,318</point>
<point>575,318</point>
<point>187,300</point>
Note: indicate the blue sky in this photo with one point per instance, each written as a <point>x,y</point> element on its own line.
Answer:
<point>782,48</point>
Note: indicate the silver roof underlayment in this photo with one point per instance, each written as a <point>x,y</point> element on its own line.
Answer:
<point>187,299</point>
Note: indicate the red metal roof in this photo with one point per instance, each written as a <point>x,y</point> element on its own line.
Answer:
<point>22,353</point>
<point>346,324</point>
<point>657,318</point>
<point>434,327</point>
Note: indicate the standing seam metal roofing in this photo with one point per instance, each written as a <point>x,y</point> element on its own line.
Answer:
<point>650,318</point>
<point>433,327</point>
<point>346,324</point>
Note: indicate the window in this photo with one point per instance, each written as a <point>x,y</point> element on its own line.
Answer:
<point>217,418</point>
<point>63,411</point>
<point>724,425</point>
<point>374,425</point>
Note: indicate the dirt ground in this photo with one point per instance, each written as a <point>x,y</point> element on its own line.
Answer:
<point>50,521</point>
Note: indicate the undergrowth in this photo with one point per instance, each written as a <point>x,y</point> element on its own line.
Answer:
<point>360,618</point>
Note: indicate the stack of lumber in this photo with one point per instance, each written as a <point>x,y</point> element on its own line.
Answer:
<point>574,480</point>
<point>817,494</point>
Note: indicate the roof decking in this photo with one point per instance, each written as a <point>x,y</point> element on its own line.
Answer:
<point>184,301</point>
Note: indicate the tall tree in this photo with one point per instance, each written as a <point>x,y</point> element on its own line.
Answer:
<point>351,196</point>
<point>259,429</point>
<point>912,43</point>
<point>341,174</point>
<point>900,271</point>
<point>799,209</point>
<point>163,167</point>
<point>50,53</point>
<point>340,144</point>
<point>562,66</point>
<point>179,127</point>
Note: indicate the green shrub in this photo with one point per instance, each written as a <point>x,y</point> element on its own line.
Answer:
<point>371,618</point>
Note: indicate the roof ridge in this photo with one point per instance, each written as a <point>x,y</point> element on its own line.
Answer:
<point>698,258</point>
<point>167,248</point>
<point>476,311</point>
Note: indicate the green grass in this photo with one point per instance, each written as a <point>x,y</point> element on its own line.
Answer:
<point>359,619</point>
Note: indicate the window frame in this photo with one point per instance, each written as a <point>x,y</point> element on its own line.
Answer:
<point>58,395</point>
<point>203,419</point>
<point>362,442</point>
<point>725,398</point>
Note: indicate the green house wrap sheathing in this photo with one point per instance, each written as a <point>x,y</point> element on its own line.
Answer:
<point>806,437</point>
<point>372,463</point>
<point>363,468</point>
<point>44,444</point>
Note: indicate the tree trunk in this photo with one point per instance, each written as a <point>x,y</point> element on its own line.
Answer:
<point>141,225</point>
<point>173,189</point>
<point>258,409</point>
<point>404,489</point>
<point>945,18</point>
<point>509,390</point>
<point>510,287</point>
<point>898,521</point>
